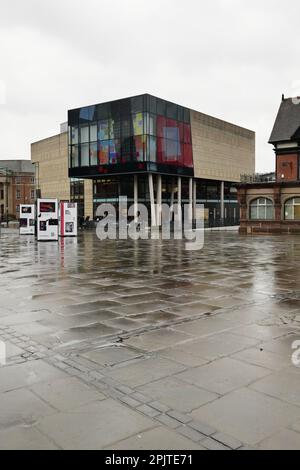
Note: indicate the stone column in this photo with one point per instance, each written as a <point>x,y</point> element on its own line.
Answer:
<point>277,204</point>
<point>158,200</point>
<point>136,197</point>
<point>190,199</point>
<point>222,202</point>
<point>195,199</point>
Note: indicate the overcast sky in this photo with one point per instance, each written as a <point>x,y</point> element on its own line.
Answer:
<point>229,58</point>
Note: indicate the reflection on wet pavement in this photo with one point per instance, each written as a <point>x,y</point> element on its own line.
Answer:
<point>69,291</point>
<point>216,325</point>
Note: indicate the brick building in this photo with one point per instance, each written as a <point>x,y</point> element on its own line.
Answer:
<point>274,206</point>
<point>17,186</point>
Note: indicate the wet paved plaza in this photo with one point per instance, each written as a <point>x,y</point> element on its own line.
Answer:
<point>144,345</point>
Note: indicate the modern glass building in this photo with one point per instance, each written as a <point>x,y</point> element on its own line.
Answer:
<point>153,151</point>
<point>134,135</point>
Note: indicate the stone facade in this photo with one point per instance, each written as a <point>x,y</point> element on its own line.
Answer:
<point>221,151</point>
<point>285,138</point>
<point>88,198</point>
<point>52,168</point>
<point>17,186</point>
<point>279,194</point>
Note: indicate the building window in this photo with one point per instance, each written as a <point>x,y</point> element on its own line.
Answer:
<point>18,208</point>
<point>18,194</point>
<point>84,134</point>
<point>262,209</point>
<point>85,155</point>
<point>32,180</point>
<point>292,209</point>
<point>32,195</point>
<point>18,180</point>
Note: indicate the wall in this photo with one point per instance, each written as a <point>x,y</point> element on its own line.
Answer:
<point>21,182</point>
<point>279,194</point>
<point>287,167</point>
<point>88,198</point>
<point>222,151</point>
<point>52,170</point>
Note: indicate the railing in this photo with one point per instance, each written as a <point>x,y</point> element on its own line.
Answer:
<point>258,178</point>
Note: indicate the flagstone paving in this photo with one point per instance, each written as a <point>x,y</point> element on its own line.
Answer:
<point>144,345</point>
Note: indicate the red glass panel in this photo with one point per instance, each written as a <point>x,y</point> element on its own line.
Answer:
<point>160,150</point>
<point>187,134</point>
<point>161,124</point>
<point>188,156</point>
<point>103,153</point>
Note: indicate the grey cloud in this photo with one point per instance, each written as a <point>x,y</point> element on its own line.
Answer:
<point>228,58</point>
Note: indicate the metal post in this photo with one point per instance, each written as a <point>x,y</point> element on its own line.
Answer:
<point>179,198</point>
<point>222,198</point>
<point>136,197</point>
<point>195,200</point>
<point>6,198</point>
<point>190,199</point>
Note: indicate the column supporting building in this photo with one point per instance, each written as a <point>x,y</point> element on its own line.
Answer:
<point>195,199</point>
<point>158,200</point>
<point>191,199</point>
<point>152,200</point>
<point>179,199</point>
<point>136,197</point>
<point>222,200</point>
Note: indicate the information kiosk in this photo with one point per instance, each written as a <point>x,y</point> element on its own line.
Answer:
<point>47,220</point>
<point>27,219</point>
<point>68,219</point>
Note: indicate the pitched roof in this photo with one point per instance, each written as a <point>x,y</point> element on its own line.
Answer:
<point>287,121</point>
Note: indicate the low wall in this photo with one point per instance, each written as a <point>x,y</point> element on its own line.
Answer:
<point>269,227</point>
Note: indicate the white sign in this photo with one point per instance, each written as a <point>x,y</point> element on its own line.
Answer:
<point>47,220</point>
<point>27,219</point>
<point>68,219</point>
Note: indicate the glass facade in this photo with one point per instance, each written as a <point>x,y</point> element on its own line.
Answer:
<point>110,189</point>
<point>132,130</point>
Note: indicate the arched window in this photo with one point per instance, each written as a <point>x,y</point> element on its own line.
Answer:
<point>292,209</point>
<point>262,209</point>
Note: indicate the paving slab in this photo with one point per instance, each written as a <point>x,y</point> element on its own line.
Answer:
<point>22,408</point>
<point>145,371</point>
<point>284,385</point>
<point>109,356</point>
<point>24,438</point>
<point>283,440</point>
<point>177,394</point>
<point>262,358</point>
<point>94,426</point>
<point>223,376</point>
<point>158,339</point>
<point>159,439</point>
<point>66,394</point>
<point>247,415</point>
<point>24,375</point>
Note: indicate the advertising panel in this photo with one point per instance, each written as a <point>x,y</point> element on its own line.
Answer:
<point>27,219</point>
<point>47,219</point>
